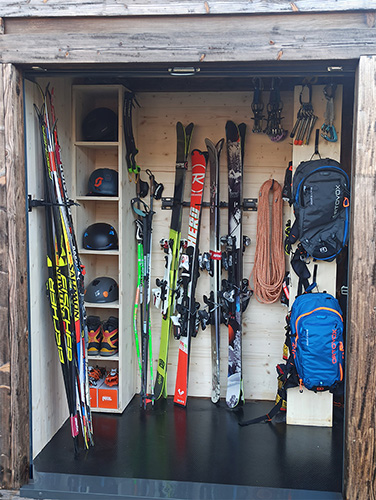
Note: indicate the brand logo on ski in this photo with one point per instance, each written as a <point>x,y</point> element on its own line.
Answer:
<point>198,177</point>
<point>194,216</point>
<point>55,317</point>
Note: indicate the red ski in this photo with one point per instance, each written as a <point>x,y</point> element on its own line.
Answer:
<point>185,320</point>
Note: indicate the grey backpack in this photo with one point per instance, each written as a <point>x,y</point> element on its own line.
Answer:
<point>320,198</point>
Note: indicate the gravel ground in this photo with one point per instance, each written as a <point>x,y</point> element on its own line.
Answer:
<point>11,494</point>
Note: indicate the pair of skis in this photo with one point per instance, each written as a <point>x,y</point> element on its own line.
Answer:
<point>229,298</point>
<point>65,283</point>
<point>173,250</point>
<point>177,290</point>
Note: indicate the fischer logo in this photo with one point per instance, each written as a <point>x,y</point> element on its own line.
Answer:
<point>193,225</point>
<point>337,193</point>
<point>334,346</point>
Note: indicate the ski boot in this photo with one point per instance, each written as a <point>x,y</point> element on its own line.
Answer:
<point>94,327</point>
<point>110,341</point>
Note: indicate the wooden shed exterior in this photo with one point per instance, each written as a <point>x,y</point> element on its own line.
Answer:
<point>116,34</point>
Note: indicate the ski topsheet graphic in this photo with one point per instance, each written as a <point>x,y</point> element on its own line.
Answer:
<point>172,247</point>
<point>185,321</point>
<point>235,292</point>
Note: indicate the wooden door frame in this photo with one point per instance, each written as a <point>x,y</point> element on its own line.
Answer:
<point>14,335</point>
<point>359,464</point>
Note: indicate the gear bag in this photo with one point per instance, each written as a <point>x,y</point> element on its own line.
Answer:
<point>313,350</point>
<point>320,197</point>
<point>316,329</point>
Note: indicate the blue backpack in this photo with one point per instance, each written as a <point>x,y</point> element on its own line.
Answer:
<point>313,350</point>
<point>316,332</point>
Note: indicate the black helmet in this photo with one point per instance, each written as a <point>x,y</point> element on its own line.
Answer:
<point>100,236</point>
<point>103,182</point>
<point>101,124</point>
<point>102,289</point>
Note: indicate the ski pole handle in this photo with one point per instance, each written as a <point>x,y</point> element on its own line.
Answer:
<point>137,210</point>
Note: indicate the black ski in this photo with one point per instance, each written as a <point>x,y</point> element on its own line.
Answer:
<point>234,290</point>
<point>213,264</point>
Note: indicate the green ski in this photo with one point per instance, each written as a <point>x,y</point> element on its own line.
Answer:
<point>172,248</point>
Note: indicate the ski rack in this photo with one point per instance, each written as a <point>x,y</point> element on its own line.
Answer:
<point>249,204</point>
<point>33,203</point>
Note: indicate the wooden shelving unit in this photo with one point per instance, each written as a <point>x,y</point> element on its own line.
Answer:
<point>87,157</point>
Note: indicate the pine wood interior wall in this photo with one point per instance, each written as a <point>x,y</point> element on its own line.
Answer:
<point>263,325</point>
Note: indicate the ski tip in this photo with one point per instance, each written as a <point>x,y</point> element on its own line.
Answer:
<point>189,128</point>
<point>232,131</point>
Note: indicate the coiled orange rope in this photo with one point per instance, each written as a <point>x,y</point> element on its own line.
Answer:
<point>269,267</point>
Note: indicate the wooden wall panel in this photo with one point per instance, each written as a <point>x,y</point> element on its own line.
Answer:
<point>36,8</point>
<point>14,366</point>
<point>360,429</point>
<point>263,331</point>
<point>179,40</point>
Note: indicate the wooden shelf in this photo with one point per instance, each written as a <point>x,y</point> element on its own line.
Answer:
<point>98,252</point>
<point>103,358</point>
<point>106,410</point>
<point>103,305</point>
<point>96,145</point>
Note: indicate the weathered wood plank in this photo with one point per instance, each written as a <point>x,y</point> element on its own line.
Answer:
<point>360,437</point>
<point>14,355</point>
<point>209,39</point>
<point>44,8</point>
<point>5,424</point>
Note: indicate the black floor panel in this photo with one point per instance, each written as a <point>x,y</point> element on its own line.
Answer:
<point>202,444</point>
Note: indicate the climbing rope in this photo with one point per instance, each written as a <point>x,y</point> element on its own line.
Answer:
<point>269,267</point>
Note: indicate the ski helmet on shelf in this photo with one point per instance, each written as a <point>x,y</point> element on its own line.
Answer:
<point>100,236</point>
<point>103,182</point>
<point>102,289</point>
<point>101,124</point>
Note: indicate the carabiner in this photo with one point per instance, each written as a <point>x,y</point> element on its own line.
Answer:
<point>329,133</point>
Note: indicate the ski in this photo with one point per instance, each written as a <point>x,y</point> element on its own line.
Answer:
<point>234,288</point>
<point>185,322</point>
<point>172,248</point>
<point>214,265</point>
<point>65,278</point>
